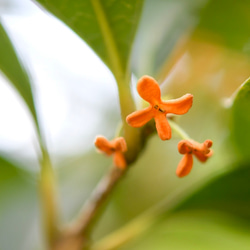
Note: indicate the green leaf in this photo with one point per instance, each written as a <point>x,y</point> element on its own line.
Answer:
<point>107,26</point>
<point>226,22</point>
<point>163,24</point>
<point>19,210</point>
<point>13,69</point>
<point>241,120</point>
<point>229,194</point>
<point>195,230</point>
<point>218,211</point>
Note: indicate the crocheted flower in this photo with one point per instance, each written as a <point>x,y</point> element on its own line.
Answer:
<point>189,148</point>
<point>115,147</point>
<point>150,91</point>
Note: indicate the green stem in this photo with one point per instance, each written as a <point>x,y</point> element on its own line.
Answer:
<point>179,130</point>
<point>48,200</point>
<point>131,135</point>
<point>122,76</point>
<point>47,185</point>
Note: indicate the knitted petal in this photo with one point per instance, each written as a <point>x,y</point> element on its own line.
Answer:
<point>141,117</point>
<point>162,126</point>
<point>149,90</point>
<point>185,165</point>
<point>178,106</point>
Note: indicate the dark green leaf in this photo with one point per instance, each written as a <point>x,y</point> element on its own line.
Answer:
<point>229,193</point>
<point>14,70</point>
<point>241,120</point>
<point>218,211</point>
<point>107,26</point>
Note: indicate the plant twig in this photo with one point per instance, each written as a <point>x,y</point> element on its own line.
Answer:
<point>75,236</point>
<point>49,204</point>
<point>84,222</point>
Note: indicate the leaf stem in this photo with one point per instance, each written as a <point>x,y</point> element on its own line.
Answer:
<point>48,199</point>
<point>122,76</point>
<point>183,134</point>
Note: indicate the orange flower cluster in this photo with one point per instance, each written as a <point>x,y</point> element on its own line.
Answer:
<point>190,148</point>
<point>158,109</point>
<point>150,91</point>
<point>115,147</point>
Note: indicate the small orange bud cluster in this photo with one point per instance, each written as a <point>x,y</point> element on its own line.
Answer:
<point>150,91</point>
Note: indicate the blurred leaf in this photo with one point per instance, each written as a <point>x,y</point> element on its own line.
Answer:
<point>107,26</point>
<point>241,119</point>
<point>163,25</point>
<point>18,208</point>
<point>228,21</point>
<point>195,230</point>
<point>218,211</point>
<point>78,175</point>
<point>167,26</point>
<point>229,193</point>
<point>13,69</point>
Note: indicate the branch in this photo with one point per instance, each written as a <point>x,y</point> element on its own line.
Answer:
<point>75,237</point>
<point>88,213</point>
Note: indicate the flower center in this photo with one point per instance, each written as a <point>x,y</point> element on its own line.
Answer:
<point>159,109</point>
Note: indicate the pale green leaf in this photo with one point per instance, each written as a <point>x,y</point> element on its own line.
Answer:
<point>13,69</point>
<point>241,120</point>
<point>195,230</point>
<point>107,26</point>
<point>19,210</point>
<point>218,211</point>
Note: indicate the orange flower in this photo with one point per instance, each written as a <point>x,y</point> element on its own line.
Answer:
<point>116,147</point>
<point>189,147</point>
<point>150,91</point>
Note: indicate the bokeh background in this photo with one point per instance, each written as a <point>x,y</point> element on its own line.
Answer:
<point>197,46</point>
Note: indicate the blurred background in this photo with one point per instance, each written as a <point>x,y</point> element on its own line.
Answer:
<point>197,46</point>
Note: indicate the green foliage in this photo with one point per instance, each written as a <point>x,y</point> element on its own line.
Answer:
<point>175,20</point>
<point>229,194</point>
<point>13,68</point>
<point>207,207</point>
<point>18,206</point>
<point>107,26</point>
<point>227,22</point>
<point>241,120</point>
<point>214,217</point>
<point>195,230</point>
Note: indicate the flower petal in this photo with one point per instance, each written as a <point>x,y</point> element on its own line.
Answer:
<point>178,106</point>
<point>141,117</point>
<point>104,145</point>
<point>201,156</point>
<point>185,165</point>
<point>120,144</point>
<point>185,146</point>
<point>119,160</point>
<point>162,126</point>
<point>149,89</point>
